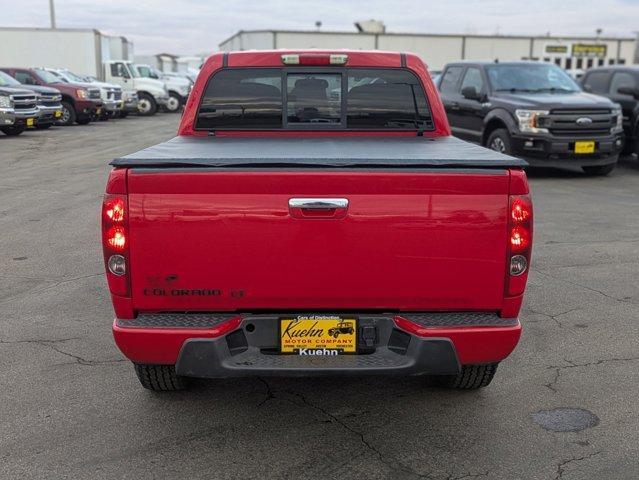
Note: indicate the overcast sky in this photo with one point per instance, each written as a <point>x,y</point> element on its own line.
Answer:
<point>198,26</point>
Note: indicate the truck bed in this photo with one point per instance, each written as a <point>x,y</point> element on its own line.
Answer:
<point>346,152</point>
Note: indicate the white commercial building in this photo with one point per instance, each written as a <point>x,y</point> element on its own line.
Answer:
<point>438,49</point>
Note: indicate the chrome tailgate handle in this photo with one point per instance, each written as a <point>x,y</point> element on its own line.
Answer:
<point>318,203</point>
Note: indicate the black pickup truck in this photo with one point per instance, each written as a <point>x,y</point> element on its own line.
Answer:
<point>620,83</point>
<point>534,111</point>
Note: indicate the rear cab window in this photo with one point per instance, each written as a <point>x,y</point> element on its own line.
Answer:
<point>308,98</point>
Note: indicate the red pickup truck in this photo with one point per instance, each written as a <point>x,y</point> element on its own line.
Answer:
<point>315,217</point>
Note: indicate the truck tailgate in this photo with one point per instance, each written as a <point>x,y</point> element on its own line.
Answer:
<point>218,239</point>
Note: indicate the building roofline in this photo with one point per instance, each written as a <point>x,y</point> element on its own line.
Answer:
<point>94,30</point>
<point>436,35</point>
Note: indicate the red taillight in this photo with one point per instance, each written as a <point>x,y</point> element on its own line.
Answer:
<point>519,239</point>
<point>519,243</point>
<point>114,209</point>
<point>519,210</point>
<point>116,238</point>
<point>115,242</point>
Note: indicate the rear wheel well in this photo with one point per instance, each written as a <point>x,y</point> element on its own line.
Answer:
<point>490,127</point>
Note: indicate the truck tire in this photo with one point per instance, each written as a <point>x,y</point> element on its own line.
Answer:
<point>12,131</point>
<point>600,171</point>
<point>174,104</point>
<point>160,378</point>
<point>83,121</point>
<point>499,140</point>
<point>68,114</point>
<point>471,377</point>
<point>147,105</point>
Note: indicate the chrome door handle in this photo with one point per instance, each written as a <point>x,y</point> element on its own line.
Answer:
<point>318,203</point>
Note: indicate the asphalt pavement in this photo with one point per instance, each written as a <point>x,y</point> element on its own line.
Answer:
<point>564,405</point>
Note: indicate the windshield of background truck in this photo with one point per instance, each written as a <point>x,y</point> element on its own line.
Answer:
<point>73,77</point>
<point>134,70</point>
<point>322,98</point>
<point>8,81</point>
<point>542,78</point>
<point>48,77</point>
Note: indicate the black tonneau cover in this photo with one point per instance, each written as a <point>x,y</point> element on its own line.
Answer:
<point>393,152</point>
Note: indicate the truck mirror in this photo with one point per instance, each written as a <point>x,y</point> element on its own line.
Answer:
<point>471,93</point>
<point>633,92</point>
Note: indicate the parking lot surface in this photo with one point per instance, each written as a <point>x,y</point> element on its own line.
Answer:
<point>564,405</point>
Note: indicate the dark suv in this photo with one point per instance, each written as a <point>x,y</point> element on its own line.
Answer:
<point>621,85</point>
<point>532,110</point>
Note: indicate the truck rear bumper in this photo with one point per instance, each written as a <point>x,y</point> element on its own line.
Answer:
<point>212,359</point>
<point>219,345</point>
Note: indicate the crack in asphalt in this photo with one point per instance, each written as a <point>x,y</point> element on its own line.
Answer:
<point>555,317</point>
<point>469,475</point>
<point>69,280</point>
<point>561,466</point>
<point>558,368</point>
<point>51,344</point>
<point>269,392</point>
<point>594,290</point>
<point>392,465</point>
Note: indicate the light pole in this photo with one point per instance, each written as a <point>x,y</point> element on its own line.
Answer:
<point>52,13</point>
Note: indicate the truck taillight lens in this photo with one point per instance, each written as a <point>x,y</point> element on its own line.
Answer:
<point>114,209</point>
<point>520,231</point>
<point>116,238</point>
<point>115,242</point>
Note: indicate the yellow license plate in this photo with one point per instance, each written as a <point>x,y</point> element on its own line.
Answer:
<point>29,122</point>
<point>57,114</point>
<point>98,111</point>
<point>584,147</point>
<point>318,335</point>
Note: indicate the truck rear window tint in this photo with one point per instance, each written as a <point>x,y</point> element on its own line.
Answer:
<point>314,98</point>
<point>351,98</point>
<point>380,99</point>
<point>242,98</point>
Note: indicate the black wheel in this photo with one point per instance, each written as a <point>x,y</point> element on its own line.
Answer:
<point>499,140</point>
<point>160,378</point>
<point>471,377</point>
<point>68,114</point>
<point>44,126</point>
<point>83,121</point>
<point>12,131</point>
<point>599,171</point>
<point>147,105</point>
<point>174,104</point>
<point>123,114</point>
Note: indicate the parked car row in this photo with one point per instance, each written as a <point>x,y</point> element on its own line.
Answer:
<point>536,111</point>
<point>40,97</point>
